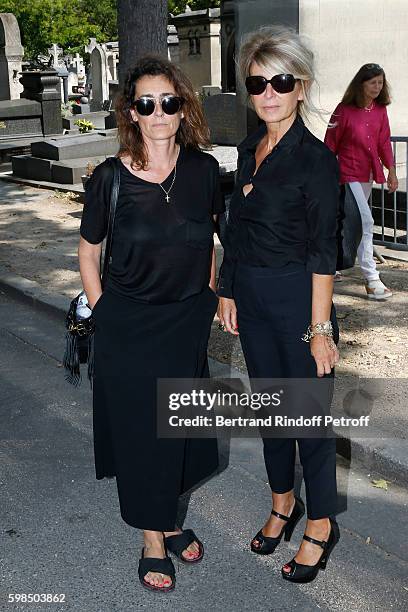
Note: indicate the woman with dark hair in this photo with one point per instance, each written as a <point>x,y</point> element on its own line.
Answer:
<point>359,134</point>
<point>154,316</point>
<point>276,280</point>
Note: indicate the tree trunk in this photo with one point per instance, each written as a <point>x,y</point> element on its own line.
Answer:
<point>142,28</point>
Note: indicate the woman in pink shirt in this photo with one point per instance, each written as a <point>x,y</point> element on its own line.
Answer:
<point>359,134</point>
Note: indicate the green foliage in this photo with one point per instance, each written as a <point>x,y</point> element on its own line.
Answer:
<point>84,125</point>
<point>70,23</point>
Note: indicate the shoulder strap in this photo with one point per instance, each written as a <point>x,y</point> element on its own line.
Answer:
<point>111,221</point>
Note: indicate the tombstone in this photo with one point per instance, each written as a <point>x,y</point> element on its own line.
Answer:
<point>91,46</point>
<point>221,114</point>
<point>76,74</point>
<point>173,52</point>
<point>56,56</point>
<point>57,62</point>
<point>11,55</point>
<point>44,87</point>
<point>112,74</point>
<point>199,49</point>
<point>211,90</point>
<point>99,71</point>
<point>82,108</point>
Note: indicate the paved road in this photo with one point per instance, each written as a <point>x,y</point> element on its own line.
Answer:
<point>61,531</point>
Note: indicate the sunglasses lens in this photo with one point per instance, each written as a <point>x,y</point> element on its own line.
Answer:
<point>171,105</point>
<point>283,83</point>
<point>255,85</point>
<point>144,106</point>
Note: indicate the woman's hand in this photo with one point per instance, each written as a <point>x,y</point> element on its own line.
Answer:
<point>325,354</point>
<point>227,314</point>
<point>392,181</point>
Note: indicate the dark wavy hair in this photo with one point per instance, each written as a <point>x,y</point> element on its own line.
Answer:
<point>354,94</point>
<point>193,130</point>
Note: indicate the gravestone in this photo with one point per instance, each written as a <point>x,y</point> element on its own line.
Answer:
<point>112,67</point>
<point>211,90</point>
<point>221,114</point>
<point>90,46</point>
<point>63,159</point>
<point>11,55</point>
<point>80,109</point>
<point>102,142</point>
<point>20,118</point>
<point>57,62</point>
<point>99,72</point>
<point>44,87</point>
<point>97,118</point>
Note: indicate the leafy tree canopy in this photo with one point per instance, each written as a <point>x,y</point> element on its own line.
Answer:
<point>70,23</point>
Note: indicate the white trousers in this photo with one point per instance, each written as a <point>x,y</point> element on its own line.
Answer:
<point>361,192</point>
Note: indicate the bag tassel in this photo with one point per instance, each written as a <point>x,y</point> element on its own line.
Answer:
<point>91,358</point>
<point>71,360</point>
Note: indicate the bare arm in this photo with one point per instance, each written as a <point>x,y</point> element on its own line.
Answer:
<point>89,267</point>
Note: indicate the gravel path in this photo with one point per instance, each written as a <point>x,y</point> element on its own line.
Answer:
<point>39,239</point>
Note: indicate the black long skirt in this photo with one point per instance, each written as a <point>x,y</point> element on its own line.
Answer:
<point>135,344</point>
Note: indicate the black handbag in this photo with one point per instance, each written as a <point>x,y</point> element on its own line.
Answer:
<point>79,337</point>
<point>349,231</point>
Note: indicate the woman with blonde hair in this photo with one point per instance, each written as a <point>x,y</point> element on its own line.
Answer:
<point>276,280</point>
<point>154,315</point>
<point>359,134</point>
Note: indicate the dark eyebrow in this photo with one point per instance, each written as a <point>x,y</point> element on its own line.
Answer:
<point>150,95</point>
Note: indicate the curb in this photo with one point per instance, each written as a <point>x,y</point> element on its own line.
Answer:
<point>387,457</point>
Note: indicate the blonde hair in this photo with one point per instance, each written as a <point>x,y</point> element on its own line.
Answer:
<point>284,50</point>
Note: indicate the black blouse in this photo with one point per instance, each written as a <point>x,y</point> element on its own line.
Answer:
<point>161,252</point>
<point>291,214</point>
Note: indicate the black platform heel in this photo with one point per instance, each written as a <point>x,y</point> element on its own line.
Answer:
<point>306,573</point>
<point>267,545</point>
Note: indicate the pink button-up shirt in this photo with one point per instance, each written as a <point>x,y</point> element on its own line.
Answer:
<point>361,141</point>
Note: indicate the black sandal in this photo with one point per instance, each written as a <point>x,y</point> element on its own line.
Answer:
<point>177,544</point>
<point>161,566</point>
<point>301,573</point>
<point>267,544</point>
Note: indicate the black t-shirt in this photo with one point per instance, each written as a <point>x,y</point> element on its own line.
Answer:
<point>291,214</point>
<point>161,252</point>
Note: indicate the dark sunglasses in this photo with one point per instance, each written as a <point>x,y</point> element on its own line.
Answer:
<point>146,105</point>
<point>372,67</point>
<point>281,83</point>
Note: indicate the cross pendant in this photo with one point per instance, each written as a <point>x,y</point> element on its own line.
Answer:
<point>167,198</point>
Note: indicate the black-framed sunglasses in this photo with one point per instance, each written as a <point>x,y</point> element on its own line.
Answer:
<point>281,83</point>
<point>145,105</point>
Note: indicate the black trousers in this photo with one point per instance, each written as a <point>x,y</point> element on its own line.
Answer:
<point>274,310</point>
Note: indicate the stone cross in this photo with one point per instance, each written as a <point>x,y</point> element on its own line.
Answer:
<point>56,54</point>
